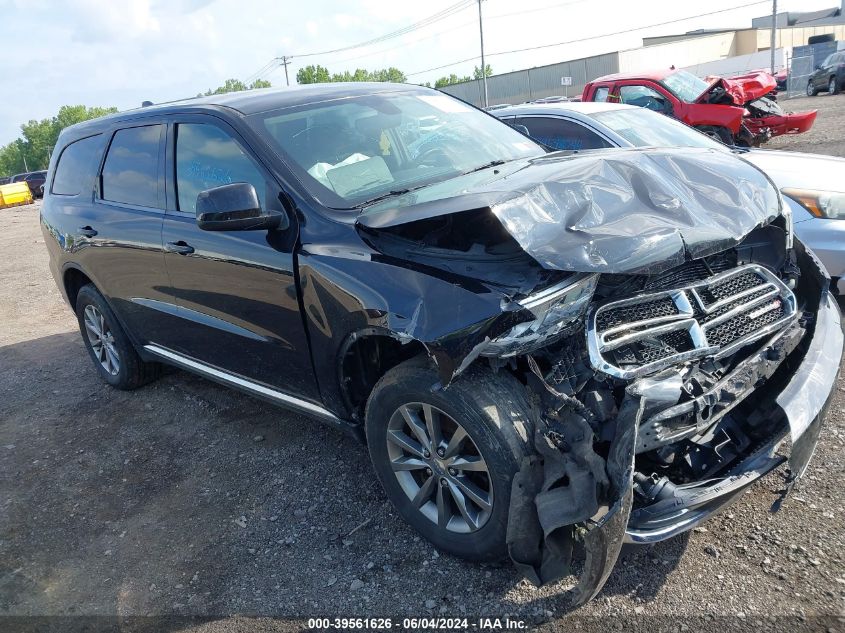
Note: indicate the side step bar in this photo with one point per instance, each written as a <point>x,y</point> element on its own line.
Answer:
<point>248,386</point>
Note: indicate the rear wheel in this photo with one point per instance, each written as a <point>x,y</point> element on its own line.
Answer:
<point>812,91</point>
<point>833,87</point>
<point>113,354</point>
<point>446,458</point>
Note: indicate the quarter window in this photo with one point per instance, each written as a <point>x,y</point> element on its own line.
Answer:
<point>76,167</point>
<point>130,173</point>
<point>207,157</point>
<point>562,134</point>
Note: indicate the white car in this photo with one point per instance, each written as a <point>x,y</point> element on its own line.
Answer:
<point>813,183</point>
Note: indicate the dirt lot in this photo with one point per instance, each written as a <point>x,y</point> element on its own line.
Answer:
<point>826,135</point>
<point>188,498</point>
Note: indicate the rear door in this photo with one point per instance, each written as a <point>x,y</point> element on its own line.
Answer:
<point>115,231</point>
<point>236,290</point>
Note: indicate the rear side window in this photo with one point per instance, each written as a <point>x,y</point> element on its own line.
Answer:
<point>207,157</point>
<point>562,134</point>
<point>130,173</point>
<point>76,167</point>
<point>600,94</point>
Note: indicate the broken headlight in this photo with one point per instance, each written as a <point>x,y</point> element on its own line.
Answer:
<point>554,310</point>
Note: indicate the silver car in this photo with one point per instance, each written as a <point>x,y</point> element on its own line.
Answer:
<point>814,184</point>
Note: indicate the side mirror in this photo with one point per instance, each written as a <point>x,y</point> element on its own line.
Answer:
<point>235,207</point>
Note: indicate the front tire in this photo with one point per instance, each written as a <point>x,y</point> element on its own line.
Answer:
<point>718,133</point>
<point>113,354</point>
<point>446,458</point>
<point>812,91</point>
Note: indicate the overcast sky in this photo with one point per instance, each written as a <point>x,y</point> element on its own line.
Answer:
<point>121,52</point>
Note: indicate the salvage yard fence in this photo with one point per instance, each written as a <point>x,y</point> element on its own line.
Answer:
<point>799,75</point>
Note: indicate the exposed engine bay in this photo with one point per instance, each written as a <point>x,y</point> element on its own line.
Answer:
<point>658,340</point>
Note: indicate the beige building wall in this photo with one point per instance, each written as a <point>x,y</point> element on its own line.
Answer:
<point>687,52</point>
<point>797,36</point>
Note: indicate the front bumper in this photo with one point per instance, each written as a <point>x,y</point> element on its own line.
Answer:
<point>792,123</point>
<point>804,401</point>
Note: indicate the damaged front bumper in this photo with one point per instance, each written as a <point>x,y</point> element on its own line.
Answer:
<point>804,402</point>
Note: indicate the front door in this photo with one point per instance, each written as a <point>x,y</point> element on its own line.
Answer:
<point>236,290</point>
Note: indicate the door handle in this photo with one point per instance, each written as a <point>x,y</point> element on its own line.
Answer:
<point>87,231</point>
<point>181,247</point>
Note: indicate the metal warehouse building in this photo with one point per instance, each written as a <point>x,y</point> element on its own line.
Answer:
<point>728,52</point>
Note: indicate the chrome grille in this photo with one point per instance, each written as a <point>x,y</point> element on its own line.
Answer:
<point>715,317</point>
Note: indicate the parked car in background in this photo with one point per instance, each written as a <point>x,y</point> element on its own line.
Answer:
<point>5,180</point>
<point>735,111</point>
<point>35,180</point>
<point>541,350</point>
<point>813,182</point>
<point>829,76</point>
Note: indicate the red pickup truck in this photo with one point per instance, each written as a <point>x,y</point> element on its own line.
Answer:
<point>736,111</point>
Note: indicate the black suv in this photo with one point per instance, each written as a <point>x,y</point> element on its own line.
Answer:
<point>541,350</point>
<point>35,180</point>
<point>829,75</point>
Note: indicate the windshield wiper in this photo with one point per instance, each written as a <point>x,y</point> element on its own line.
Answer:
<point>384,196</point>
<point>492,163</point>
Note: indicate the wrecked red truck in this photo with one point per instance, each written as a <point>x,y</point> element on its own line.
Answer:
<point>736,111</point>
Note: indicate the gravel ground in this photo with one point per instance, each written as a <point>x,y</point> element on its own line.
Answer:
<point>187,498</point>
<point>827,135</point>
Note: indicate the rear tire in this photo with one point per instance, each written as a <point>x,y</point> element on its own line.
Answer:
<point>493,410</point>
<point>113,354</point>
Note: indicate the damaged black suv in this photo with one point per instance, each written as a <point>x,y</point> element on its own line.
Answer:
<point>546,353</point>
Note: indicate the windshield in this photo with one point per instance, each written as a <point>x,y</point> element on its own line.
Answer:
<point>644,128</point>
<point>686,86</point>
<point>353,150</point>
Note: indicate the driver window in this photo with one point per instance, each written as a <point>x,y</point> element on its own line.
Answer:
<point>207,157</point>
<point>601,94</point>
<point>643,97</point>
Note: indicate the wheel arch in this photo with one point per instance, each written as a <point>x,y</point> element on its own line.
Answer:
<point>364,357</point>
<point>73,279</point>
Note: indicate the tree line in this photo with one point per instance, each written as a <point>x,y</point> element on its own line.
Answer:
<point>31,150</point>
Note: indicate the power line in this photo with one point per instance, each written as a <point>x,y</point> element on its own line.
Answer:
<point>277,62</point>
<point>487,18</point>
<point>592,37</point>
<point>440,15</point>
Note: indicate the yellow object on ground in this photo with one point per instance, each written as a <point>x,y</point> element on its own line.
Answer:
<point>15,193</point>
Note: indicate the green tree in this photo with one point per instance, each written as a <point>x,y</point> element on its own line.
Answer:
<point>320,74</point>
<point>476,73</point>
<point>451,79</point>
<point>38,138</point>
<point>235,85</point>
<point>312,75</point>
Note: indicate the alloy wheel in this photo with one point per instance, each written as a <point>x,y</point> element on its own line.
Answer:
<point>101,339</point>
<point>810,91</point>
<point>439,468</point>
<point>831,87</point>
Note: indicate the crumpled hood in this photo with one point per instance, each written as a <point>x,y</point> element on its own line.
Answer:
<point>615,211</point>
<point>744,88</point>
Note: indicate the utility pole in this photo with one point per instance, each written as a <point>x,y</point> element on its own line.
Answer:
<point>20,149</point>
<point>483,65</point>
<point>285,63</point>
<point>774,31</point>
